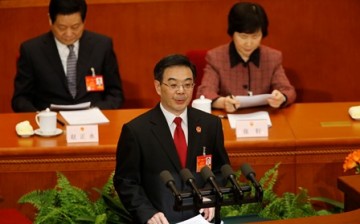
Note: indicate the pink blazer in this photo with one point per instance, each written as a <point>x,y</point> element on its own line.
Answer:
<point>220,79</point>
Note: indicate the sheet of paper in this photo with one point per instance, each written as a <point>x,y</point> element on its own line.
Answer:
<point>82,117</point>
<point>80,106</point>
<point>260,115</point>
<point>253,101</point>
<point>199,219</point>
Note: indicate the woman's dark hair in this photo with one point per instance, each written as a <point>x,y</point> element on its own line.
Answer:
<point>172,60</point>
<point>67,7</point>
<point>246,17</point>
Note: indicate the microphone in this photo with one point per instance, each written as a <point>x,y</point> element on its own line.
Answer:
<point>189,179</point>
<point>209,176</point>
<point>229,174</point>
<point>169,181</point>
<point>250,175</point>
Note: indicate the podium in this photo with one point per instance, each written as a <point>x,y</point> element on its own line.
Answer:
<point>341,218</point>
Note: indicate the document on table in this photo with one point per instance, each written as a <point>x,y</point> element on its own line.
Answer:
<point>260,115</point>
<point>82,117</point>
<point>253,101</point>
<point>199,219</point>
<point>80,106</point>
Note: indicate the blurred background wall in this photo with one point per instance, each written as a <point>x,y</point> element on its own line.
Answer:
<point>319,40</point>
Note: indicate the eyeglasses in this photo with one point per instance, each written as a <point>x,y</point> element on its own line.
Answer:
<point>185,86</point>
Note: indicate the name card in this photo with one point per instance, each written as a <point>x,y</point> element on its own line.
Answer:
<point>82,133</point>
<point>252,128</point>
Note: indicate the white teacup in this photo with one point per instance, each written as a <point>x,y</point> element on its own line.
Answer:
<point>202,104</point>
<point>47,121</point>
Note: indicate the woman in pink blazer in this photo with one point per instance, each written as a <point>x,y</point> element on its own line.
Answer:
<point>244,66</point>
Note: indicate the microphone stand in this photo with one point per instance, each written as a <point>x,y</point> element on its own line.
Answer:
<point>217,202</point>
<point>217,213</point>
<point>234,195</point>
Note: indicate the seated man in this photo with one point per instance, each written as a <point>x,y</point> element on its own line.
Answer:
<point>57,67</point>
<point>244,66</point>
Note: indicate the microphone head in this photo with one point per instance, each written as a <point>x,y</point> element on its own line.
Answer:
<point>166,176</point>
<point>186,175</point>
<point>206,173</point>
<point>227,171</point>
<point>247,170</point>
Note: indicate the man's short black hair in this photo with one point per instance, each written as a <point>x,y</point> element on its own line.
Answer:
<point>246,17</point>
<point>172,60</point>
<point>67,7</point>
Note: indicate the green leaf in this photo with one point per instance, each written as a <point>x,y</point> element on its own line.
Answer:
<point>67,204</point>
<point>288,205</point>
<point>115,206</point>
<point>336,204</point>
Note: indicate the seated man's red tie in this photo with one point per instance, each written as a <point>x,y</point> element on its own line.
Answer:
<point>180,141</point>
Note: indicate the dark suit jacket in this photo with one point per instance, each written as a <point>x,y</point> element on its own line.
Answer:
<point>41,81</point>
<point>146,148</point>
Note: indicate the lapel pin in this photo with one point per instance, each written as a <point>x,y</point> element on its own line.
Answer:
<point>198,129</point>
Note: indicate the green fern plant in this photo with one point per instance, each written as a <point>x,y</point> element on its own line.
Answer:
<point>289,205</point>
<point>67,204</point>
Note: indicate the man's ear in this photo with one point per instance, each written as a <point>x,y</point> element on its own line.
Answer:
<point>50,22</point>
<point>157,85</point>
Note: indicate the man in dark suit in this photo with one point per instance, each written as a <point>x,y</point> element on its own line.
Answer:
<point>43,73</point>
<point>146,147</point>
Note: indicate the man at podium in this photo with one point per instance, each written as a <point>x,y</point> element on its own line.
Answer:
<point>151,143</point>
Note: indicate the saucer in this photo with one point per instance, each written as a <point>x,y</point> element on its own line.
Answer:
<point>57,132</point>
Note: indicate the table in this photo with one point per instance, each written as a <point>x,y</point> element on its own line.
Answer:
<point>350,185</point>
<point>35,160</point>
<point>27,164</point>
<point>324,134</point>
<point>310,140</point>
<point>263,153</point>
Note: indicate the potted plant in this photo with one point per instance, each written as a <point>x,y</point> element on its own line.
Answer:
<point>288,205</point>
<point>68,204</point>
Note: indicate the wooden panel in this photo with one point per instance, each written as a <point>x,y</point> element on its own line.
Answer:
<point>142,33</point>
<point>308,157</point>
<point>263,153</point>
<point>350,185</point>
<point>317,169</point>
<point>32,3</point>
<point>318,40</point>
<point>324,134</point>
<point>36,160</point>
<point>16,184</point>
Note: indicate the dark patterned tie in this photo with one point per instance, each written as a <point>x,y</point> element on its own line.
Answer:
<point>180,141</point>
<point>71,70</point>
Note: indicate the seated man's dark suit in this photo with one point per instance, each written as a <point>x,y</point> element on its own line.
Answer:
<point>41,80</point>
<point>146,148</point>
